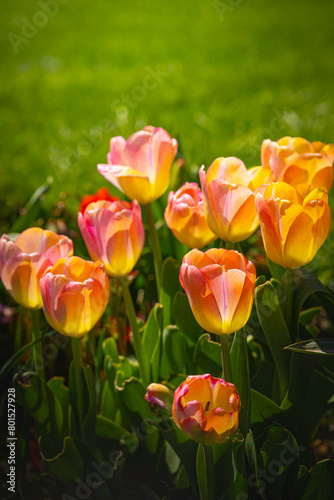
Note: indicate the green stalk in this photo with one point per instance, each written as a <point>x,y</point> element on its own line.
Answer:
<point>131,313</point>
<point>37,348</point>
<point>229,245</point>
<point>210,471</point>
<point>226,362</point>
<point>18,333</point>
<point>155,245</point>
<point>289,297</point>
<point>78,365</point>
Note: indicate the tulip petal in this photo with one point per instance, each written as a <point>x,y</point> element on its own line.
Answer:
<point>202,301</point>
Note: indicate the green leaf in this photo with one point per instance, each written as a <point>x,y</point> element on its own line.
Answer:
<point>251,454</point>
<point>275,330</point>
<point>174,352</point>
<point>207,355</point>
<point>318,394</point>
<point>61,394</point>
<point>185,319</point>
<point>240,377</point>
<point>185,448</point>
<point>264,412</point>
<point>108,429</point>
<point>225,465</point>
<point>306,317</point>
<point>131,393</point>
<point>170,285</point>
<point>65,466</point>
<point>108,401</point>
<point>279,461</point>
<point>307,284</point>
<point>31,394</point>
<point>151,341</point>
<point>89,422</point>
<point>321,486</point>
<point>31,210</point>
<point>320,346</point>
<point>110,348</point>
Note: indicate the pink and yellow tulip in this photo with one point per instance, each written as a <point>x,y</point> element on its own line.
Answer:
<point>206,409</point>
<point>23,262</point>
<point>114,234</point>
<point>229,198</point>
<point>75,294</point>
<point>294,223</point>
<point>140,166</point>
<point>159,395</point>
<point>220,286</point>
<point>184,215</point>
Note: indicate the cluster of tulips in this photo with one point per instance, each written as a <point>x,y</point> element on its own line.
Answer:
<point>287,196</point>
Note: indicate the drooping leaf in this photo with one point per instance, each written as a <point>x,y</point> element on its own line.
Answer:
<point>319,346</point>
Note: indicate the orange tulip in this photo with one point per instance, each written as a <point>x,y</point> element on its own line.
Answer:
<point>75,294</point>
<point>324,149</point>
<point>229,198</point>
<point>101,194</point>
<point>184,215</point>
<point>206,409</point>
<point>114,234</point>
<point>296,161</point>
<point>23,262</point>
<point>140,166</point>
<point>220,286</point>
<point>294,224</point>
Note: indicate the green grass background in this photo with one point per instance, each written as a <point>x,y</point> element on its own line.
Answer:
<point>236,72</point>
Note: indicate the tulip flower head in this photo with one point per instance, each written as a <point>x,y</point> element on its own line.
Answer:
<point>160,396</point>
<point>206,409</point>
<point>23,262</point>
<point>220,286</point>
<point>101,194</point>
<point>229,198</point>
<point>140,166</point>
<point>114,234</point>
<point>295,160</point>
<point>75,294</point>
<point>294,224</point>
<point>184,215</point>
<point>324,149</point>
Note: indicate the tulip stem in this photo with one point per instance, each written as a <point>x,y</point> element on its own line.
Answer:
<point>37,347</point>
<point>78,366</point>
<point>18,334</point>
<point>155,245</point>
<point>131,313</point>
<point>289,298</point>
<point>226,362</point>
<point>210,474</point>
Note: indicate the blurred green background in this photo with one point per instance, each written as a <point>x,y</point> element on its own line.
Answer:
<point>220,76</point>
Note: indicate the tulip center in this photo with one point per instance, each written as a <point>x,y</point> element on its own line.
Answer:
<point>207,406</point>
